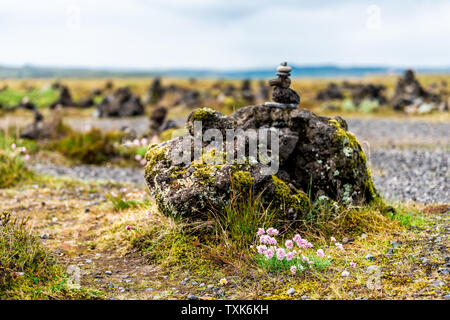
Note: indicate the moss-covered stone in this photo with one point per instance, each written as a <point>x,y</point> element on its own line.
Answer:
<point>203,114</point>
<point>286,197</point>
<point>242,180</point>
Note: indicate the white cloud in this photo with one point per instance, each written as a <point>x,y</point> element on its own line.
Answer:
<point>222,34</point>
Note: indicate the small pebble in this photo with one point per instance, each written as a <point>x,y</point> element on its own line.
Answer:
<point>291,292</point>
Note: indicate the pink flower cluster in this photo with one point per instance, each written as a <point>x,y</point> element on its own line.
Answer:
<point>269,249</point>
<point>21,150</point>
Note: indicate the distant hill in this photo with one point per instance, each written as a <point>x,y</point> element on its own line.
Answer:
<point>298,71</point>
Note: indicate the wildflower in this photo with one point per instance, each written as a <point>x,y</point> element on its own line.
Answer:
<point>293,269</point>
<point>305,258</point>
<point>138,157</point>
<point>289,244</point>
<point>289,256</point>
<point>272,232</point>
<point>260,231</point>
<point>339,246</point>
<point>261,249</point>
<point>345,273</point>
<point>144,141</point>
<point>300,268</point>
<point>272,240</point>
<point>13,146</point>
<point>223,281</point>
<point>23,149</point>
<point>27,157</point>
<point>333,239</point>
<point>281,253</point>
<point>128,228</point>
<point>136,142</point>
<point>263,239</point>
<point>320,253</point>
<point>269,253</point>
<point>309,245</point>
<point>149,212</point>
<point>143,162</point>
<point>353,264</point>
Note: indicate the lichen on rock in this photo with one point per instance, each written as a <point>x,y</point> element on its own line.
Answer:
<point>318,158</point>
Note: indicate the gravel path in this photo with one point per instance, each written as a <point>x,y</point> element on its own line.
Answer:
<point>91,172</point>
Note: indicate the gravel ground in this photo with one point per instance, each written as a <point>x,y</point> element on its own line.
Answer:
<point>412,174</point>
<point>90,172</point>
<point>397,132</point>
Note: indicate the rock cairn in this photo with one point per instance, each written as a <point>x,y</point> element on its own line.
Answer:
<point>282,95</point>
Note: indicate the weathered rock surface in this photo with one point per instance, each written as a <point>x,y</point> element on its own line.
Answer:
<point>317,157</point>
<point>121,103</point>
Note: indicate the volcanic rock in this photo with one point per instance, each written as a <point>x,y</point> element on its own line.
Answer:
<point>318,160</point>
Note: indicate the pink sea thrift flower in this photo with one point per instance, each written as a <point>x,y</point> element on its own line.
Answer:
<point>339,246</point>
<point>353,264</point>
<point>269,253</point>
<point>13,146</point>
<point>333,239</point>
<point>128,228</point>
<point>297,238</point>
<point>289,244</point>
<point>272,232</point>
<point>261,249</point>
<point>138,157</point>
<point>281,254</point>
<point>293,269</point>
<point>260,231</point>
<point>320,253</point>
<point>27,157</point>
<point>289,256</point>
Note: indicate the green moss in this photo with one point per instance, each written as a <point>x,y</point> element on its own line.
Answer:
<point>202,114</point>
<point>205,174</point>
<point>287,198</point>
<point>154,155</point>
<point>172,133</point>
<point>349,140</point>
<point>243,180</point>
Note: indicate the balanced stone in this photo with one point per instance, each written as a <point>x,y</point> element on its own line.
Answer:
<point>286,69</point>
<point>282,93</point>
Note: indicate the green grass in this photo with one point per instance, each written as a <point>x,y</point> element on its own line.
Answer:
<point>92,147</point>
<point>41,98</point>
<point>27,270</point>
<point>239,221</point>
<point>119,203</point>
<point>13,170</point>
<point>276,266</point>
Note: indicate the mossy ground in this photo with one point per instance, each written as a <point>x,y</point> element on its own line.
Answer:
<point>148,254</point>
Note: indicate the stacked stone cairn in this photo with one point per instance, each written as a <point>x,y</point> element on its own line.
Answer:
<point>282,95</point>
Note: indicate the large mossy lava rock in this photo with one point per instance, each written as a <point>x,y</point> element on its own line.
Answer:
<point>318,159</point>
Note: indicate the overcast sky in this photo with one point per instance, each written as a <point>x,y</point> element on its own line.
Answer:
<point>223,33</point>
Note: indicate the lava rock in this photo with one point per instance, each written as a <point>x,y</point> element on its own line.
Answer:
<point>316,155</point>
